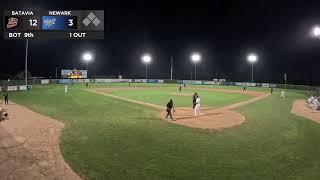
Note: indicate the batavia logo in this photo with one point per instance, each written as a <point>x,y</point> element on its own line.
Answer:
<point>12,22</point>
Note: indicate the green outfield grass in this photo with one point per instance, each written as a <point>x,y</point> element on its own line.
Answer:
<point>161,96</point>
<point>107,138</point>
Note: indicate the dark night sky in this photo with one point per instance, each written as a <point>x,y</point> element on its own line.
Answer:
<point>222,31</point>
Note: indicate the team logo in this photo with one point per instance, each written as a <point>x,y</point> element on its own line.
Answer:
<point>12,22</point>
<point>49,22</point>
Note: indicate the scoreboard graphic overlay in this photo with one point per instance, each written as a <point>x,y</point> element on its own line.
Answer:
<point>45,24</point>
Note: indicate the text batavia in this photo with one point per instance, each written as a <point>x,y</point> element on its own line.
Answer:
<point>30,13</point>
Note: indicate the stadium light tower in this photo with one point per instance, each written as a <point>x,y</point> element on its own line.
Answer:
<point>146,59</point>
<point>316,31</point>
<point>252,58</point>
<point>87,57</point>
<point>195,58</point>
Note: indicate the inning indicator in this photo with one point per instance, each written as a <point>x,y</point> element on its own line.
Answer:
<point>75,24</point>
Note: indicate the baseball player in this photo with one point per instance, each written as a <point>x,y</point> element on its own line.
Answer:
<point>310,100</point>
<point>6,98</point>
<point>197,107</point>
<point>282,94</point>
<point>180,88</point>
<point>65,88</point>
<point>316,104</point>
<point>194,99</point>
<point>169,109</point>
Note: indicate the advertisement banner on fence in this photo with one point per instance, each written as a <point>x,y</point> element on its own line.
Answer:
<point>222,80</point>
<point>65,81</point>
<point>245,84</point>
<point>209,82</point>
<point>44,81</point>
<point>82,80</point>
<point>152,81</point>
<point>273,85</point>
<point>140,80</point>
<point>0,88</point>
<point>101,80</point>
<point>125,80</point>
<point>188,82</point>
<point>12,88</point>
<point>22,88</point>
<point>160,81</point>
<point>191,82</point>
<point>264,85</point>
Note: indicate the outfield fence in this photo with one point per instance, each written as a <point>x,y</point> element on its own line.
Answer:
<point>4,84</point>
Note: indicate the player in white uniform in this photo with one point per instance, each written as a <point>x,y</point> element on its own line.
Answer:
<point>316,104</point>
<point>310,101</point>
<point>197,107</point>
<point>282,94</point>
<point>65,88</point>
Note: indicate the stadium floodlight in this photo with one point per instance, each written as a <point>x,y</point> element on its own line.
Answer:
<point>87,57</point>
<point>316,31</point>
<point>195,58</point>
<point>146,59</point>
<point>252,58</point>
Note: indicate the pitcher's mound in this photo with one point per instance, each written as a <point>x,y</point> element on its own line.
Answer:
<point>208,119</point>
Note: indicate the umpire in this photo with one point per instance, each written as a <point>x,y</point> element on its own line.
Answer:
<point>169,109</point>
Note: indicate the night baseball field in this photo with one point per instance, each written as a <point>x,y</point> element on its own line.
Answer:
<point>109,133</point>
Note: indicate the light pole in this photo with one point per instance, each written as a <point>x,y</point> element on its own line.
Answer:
<point>171,70</point>
<point>195,58</point>
<point>26,63</point>
<point>87,57</point>
<point>146,59</point>
<point>252,58</point>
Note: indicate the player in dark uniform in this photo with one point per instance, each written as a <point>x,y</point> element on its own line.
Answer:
<point>169,109</point>
<point>244,88</point>
<point>6,98</point>
<point>194,100</point>
<point>86,85</point>
<point>180,88</point>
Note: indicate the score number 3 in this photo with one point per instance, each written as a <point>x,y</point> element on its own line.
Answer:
<point>70,22</point>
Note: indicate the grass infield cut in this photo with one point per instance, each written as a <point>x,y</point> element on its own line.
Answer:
<point>106,138</point>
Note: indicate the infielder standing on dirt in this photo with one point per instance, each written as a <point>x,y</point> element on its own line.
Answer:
<point>197,107</point>
<point>169,109</point>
